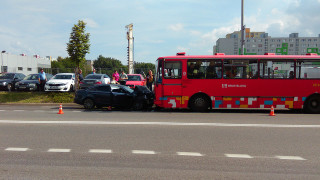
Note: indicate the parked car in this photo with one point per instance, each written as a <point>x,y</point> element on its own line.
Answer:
<point>94,79</point>
<point>8,80</point>
<point>60,82</point>
<point>134,80</point>
<point>115,95</point>
<point>30,83</point>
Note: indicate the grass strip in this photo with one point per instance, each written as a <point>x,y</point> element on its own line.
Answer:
<point>36,97</point>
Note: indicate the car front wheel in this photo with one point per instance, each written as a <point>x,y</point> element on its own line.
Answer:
<point>88,104</point>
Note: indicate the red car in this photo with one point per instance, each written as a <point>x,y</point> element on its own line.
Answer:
<point>135,79</point>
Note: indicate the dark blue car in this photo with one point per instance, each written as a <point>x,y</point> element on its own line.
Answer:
<point>30,83</point>
<point>115,95</point>
<point>8,80</point>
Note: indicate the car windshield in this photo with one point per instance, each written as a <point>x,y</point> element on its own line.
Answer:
<point>31,77</point>
<point>6,76</point>
<point>127,89</point>
<point>62,76</point>
<point>134,78</point>
<point>92,76</point>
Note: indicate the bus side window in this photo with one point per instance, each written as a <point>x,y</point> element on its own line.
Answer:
<point>277,69</point>
<point>213,70</point>
<point>308,69</point>
<point>172,70</point>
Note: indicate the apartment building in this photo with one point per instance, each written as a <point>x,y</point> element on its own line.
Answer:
<point>259,43</point>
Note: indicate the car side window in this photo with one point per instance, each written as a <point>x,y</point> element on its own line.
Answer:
<point>118,90</point>
<point>103,88</point>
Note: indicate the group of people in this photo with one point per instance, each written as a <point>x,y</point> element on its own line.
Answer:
<point>119,78</point>
<point>122,77</point>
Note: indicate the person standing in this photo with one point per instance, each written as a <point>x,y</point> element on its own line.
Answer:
<point>150,80</point>
<point>93,71</point>
<point>80,75</point>
<point>116,75</point>
<point>42,78</point>
<point>123,77</point>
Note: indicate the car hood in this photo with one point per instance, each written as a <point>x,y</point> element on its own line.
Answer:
<point>57,81</point>
<point>5,80</point>
<point>28,81</point>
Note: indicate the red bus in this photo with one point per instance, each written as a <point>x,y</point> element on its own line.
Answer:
<point>238,81</point>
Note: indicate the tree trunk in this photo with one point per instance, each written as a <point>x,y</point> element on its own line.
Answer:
<point>76,81</point>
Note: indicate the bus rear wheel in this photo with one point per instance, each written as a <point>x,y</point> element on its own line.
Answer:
<point>312,105</point>
<point>199,103</point>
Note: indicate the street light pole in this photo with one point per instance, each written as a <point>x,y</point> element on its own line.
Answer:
<point>242,29</point>
<point>2,60</point>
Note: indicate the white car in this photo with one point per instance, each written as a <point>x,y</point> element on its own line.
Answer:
<point>60,82</point>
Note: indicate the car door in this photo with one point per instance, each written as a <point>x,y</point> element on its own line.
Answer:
<point>121,97</point>
<point>102,95</point>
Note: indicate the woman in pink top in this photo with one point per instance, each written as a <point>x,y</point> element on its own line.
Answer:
<point>116,75</point>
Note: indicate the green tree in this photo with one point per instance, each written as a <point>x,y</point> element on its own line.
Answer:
<point>108,65</point>
<point>78,46</point>
<point>140,67</point>
<point>63,65</point>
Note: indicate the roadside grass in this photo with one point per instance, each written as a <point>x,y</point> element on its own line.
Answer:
<point>36,97</point>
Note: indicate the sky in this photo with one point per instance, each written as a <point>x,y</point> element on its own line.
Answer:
<point>160,27</point>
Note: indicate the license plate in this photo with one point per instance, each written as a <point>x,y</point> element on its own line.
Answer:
<point>54,88</point>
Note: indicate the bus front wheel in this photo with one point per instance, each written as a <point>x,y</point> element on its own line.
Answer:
<point>199,103</point>
<point>312,105</point>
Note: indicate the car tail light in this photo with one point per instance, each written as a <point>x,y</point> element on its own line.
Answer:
<point>99,82</point>
<point>81,82</point>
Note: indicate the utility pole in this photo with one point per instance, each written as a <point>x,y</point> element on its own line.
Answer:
<point>130,48</point>
<point>243,28</point>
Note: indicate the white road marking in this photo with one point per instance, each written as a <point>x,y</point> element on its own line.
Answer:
<point>16,149</point>
<point>59,150</point>
<point>143,152</point>
<point>238,156</point>
<point>189,154</point>
<point>38,111</point>
<point>18,110</point>
<point>2,110</point>
<point>100,151</point>
<point>290,158</point>
<point>159,124</point>
<point>76,111</point>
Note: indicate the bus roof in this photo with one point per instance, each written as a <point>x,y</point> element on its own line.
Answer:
<point>223,56</point>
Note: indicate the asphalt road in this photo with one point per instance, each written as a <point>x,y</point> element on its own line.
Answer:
<point>37,143</point>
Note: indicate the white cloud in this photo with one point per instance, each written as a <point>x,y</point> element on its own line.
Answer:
<point>90,23</point>
<point>176,27</point>
<point>182,49</point>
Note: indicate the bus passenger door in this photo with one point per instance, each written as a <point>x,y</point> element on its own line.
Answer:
<point>172,83</point>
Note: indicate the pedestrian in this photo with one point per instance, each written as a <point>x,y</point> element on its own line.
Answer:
<point>114,81</point>
<point>123,77</point>
<point>93,71</point>
<point>116,75</point>
<point>80,75</point>
<point>150,80</point>
<point>42,78</point>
